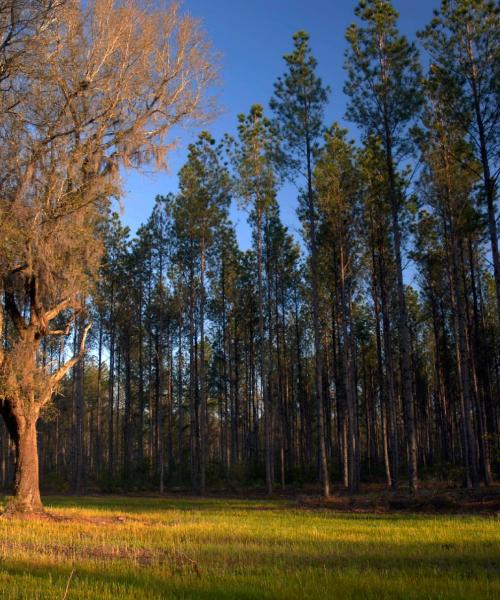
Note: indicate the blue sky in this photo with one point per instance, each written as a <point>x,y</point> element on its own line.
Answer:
<point>252,36</point>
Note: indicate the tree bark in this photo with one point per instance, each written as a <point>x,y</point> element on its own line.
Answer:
<point>22,430</point>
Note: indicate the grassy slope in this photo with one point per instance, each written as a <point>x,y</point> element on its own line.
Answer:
<point>131,548</point>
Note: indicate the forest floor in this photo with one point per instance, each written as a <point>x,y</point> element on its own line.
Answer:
<point>114,547</point>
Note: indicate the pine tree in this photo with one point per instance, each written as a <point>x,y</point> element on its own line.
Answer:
<point>298,104</point>
<point>448,187</point>
<point>203,202</point>
<point>464,46</point>
<point>383,84</point>
<point>253,160</point>
<point>337,183</point>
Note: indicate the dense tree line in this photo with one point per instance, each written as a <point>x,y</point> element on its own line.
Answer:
<point>368,350</point>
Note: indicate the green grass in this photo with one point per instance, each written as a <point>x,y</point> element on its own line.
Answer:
<point>136,548</point>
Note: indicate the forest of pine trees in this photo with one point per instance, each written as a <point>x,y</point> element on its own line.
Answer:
<point>368,350</point>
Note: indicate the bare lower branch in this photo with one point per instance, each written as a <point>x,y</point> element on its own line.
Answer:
<point>65,331</point>
<point>67,328</point>
<point>52,314</point>
<point>61,372</point>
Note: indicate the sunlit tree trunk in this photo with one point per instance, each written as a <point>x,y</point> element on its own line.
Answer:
<point>22,429</point>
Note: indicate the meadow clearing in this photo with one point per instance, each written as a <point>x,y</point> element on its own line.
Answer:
<point>109,547</point>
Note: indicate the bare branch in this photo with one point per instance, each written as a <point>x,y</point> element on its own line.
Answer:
<point>65,331</point>
<point>52,314</point>
<point>61,372</point>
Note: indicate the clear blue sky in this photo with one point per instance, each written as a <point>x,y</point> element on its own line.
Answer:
<point>252,36</point>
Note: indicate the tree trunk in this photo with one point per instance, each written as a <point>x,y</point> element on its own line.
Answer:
<point>203,392</point>
<point>488,180</point>
<point>78,403</point>
<point>140,391</point>
<point>263,362</point>
<point>403,329</point>
<point>349,373</point>
<point>111,384</point>
<point>460,322</point>
<point>96,444</point>
<point>127,423</point>
<point>318,358</point>
<point>388,443</point>
<point>180,404</point>
<point>193,457</point>
<point>381,283</point>
<point>22,430</point>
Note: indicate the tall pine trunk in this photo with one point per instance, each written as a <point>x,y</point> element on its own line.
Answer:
<point>318,358</point>
<point>203,391</point>
<point>263,364</point>
<point>489,182</point>
<point>403,329</point>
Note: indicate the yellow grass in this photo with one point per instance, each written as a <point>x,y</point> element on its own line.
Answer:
<point>136,548</point>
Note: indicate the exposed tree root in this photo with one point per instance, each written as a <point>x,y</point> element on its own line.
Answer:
<point>17,510</point>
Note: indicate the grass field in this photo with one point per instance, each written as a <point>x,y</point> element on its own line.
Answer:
<point>135,548</point>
